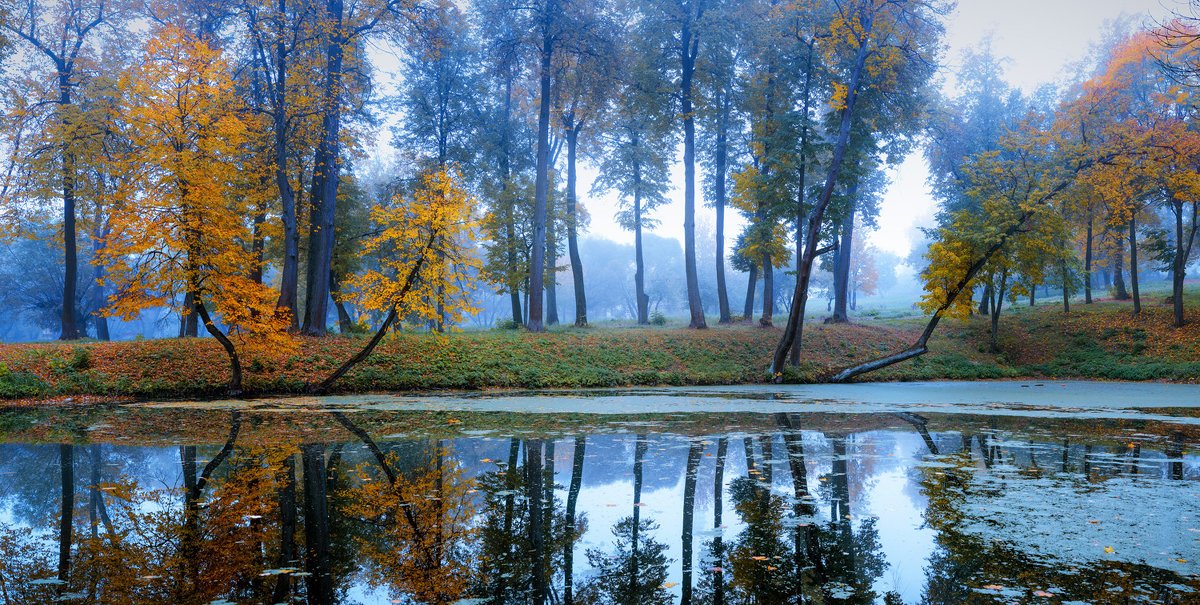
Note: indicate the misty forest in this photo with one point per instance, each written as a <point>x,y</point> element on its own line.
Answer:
<point>599,302</point>
<point>263,173</point>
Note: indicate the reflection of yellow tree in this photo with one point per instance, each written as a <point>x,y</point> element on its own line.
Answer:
<point>152,551</point>
<point>426,527</point>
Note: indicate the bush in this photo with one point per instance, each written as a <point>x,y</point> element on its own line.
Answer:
<point>507,324</point>
<point>20,384</point>
<point>658,319</point>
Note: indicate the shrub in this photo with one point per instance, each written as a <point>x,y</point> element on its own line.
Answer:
<point>658,319</point>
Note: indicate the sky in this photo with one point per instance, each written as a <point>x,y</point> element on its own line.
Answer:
<point>1039,40</point>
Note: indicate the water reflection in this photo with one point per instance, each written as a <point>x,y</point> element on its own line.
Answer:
<point>190,506</point>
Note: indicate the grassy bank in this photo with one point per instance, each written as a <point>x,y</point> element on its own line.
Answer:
<point>1101,341</point>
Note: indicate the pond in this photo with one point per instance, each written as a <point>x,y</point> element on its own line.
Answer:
<point>1006,492</point>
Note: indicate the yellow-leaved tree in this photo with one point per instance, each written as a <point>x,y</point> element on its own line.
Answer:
<point>179,236</point>
<point>425,246</point>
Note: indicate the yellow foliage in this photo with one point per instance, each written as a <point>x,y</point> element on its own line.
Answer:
<point>426,250</point>
<point>177,227</point>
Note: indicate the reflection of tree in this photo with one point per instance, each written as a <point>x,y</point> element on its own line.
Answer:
<point>525,533</point>
<point>572,501</point>
<point>423,519</point>
<point>635,572</point>
<point>691,469</point>
<point>852,558</point>
<point>713,582</point>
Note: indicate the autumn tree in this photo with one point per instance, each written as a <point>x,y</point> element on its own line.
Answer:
<point>61,34</point>
<point>425,246</point>
<point>879,40</point>
<point>177,232</point>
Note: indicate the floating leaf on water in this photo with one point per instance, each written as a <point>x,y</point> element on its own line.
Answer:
<point>669,584</point>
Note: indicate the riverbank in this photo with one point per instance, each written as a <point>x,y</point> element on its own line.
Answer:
<point>1100,341</point>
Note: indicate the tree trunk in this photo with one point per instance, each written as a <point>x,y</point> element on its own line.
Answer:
<point>639,275</point>
<point>1133,268</point>
<point>689,46</point>
<point>409,281</point>
<point>70,329</point>
<point>542,180</point>
<point>328,167</point>
<point>235,364</point>
<point>1066,288</point>
<point>289,272</point>
<point>345,322</point>
<point>1087,265</point>
<point>1118,260</point>
<point>802,175</point>
<point>573,228</point>
<point>751,286</point>
<point>99,297</point>
<point>768,291</point>
<point>720,162</point>
<point>841,276</point>
<point>794,329</point>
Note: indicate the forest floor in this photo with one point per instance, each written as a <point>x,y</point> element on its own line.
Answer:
<point>1099,341</point>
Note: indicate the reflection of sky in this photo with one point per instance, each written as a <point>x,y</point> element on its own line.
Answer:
<point>1157,525</point>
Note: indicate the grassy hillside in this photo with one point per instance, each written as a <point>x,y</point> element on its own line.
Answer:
<point>1094,341</point>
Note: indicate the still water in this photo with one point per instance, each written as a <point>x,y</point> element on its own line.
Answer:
<point>982,493</point>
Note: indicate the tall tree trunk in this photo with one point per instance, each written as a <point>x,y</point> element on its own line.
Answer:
<point>720,162</point>
<point>751,286</point>
<point>542,181</point>
<point>794,329</point>
<point>328,167</point>
<point>70,329</point>
<point>1133,268</point>
<point>695,448</point>
<point>801,175</point>
<point>289,272</point>
<point>768,304</point>
<point>639,275</point>
<point>573,228</point>
<point>316,526</point>
<point>572,501</point>
<point>841,276</point>
<point>1087,265</point>
<point>689,47</point>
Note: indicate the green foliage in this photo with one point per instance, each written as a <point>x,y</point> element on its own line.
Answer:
<point>658,319</point>
<point>507,324</point>
<point>15,385</point>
